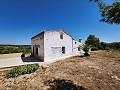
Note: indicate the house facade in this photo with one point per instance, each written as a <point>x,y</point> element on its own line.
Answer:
<point>54,44</point>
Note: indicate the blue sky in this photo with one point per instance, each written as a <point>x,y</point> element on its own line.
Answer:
<point>22,19</point>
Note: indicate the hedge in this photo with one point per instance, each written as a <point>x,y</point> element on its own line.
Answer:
<point>21,70</point>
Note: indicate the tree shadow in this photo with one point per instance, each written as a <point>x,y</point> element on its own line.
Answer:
<point>81,56</point>
<point>59,84</point>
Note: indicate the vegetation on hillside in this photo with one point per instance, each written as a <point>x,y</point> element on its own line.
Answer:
<point>95,44</point>
<point>114,45</point>
<point>5,49</point>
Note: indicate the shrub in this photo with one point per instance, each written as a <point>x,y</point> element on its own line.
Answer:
<point>86,49</point>
<point>20,70</point>
<point>94,49</point>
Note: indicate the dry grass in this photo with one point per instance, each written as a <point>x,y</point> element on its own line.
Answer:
<point>100,71</point>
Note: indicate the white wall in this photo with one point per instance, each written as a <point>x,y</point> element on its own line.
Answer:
<point>53,45</point>
<point>75,47</point>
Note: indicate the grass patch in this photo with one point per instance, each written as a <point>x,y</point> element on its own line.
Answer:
<point>21,70</point>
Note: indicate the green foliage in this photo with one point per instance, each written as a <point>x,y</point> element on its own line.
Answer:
<point>5,49</point>
<point>86,48</point>
<point>94,48</point>
<point>93,42</point>
<point>114,46</point>
<point>104,45</point>
<point>20,70</point>
<point>109,13</point>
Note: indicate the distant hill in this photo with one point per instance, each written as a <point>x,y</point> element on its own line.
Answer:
<point>113,43</point>
<point>8,48</point>
<point>12,45</point>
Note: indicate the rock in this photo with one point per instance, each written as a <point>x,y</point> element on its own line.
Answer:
<point>44,66</point>
<point>115,77</point>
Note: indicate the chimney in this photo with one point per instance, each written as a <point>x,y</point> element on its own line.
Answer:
<point>80,40</point>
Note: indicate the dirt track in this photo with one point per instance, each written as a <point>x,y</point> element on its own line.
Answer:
<point>100,71</point>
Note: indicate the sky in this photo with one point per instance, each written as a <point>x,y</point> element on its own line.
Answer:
<point>22,19</point>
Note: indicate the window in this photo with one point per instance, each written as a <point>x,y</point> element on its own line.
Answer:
<point>37,50</point>
<point>56,50</point>
<point>78,48</point>
<point>63,50</point>
<point>61,36</point>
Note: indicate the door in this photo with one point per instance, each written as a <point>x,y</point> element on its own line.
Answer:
<point>33,51</point>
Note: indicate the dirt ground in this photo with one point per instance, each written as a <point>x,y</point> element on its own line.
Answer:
<point>12,55</point>
<point>5,56</point>
<point>100,71</point>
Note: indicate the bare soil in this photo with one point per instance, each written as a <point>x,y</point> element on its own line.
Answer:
<point>12,55</point>
<point>100,71</point>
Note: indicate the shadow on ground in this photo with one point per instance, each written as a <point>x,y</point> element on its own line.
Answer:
<point>59,84</point>
<point>30,59</point>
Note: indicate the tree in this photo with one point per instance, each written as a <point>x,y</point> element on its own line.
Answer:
<point>104,45</point>
<point>93,42</point>
<point>109,13</point>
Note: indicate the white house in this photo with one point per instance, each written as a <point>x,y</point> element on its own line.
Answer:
<point>54,44</point>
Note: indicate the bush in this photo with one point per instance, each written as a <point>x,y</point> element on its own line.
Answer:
<point>94,49</point>
<point>20,70</point>
<point>86,49</point>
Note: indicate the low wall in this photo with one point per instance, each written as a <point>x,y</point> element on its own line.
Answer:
<point>5,56</point>
<point>61,58</point>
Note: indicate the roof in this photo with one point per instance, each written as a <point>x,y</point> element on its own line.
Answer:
<point>45,31</point>
<point>37,35</point>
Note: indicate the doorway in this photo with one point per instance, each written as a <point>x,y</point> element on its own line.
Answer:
<point>33,51</point>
